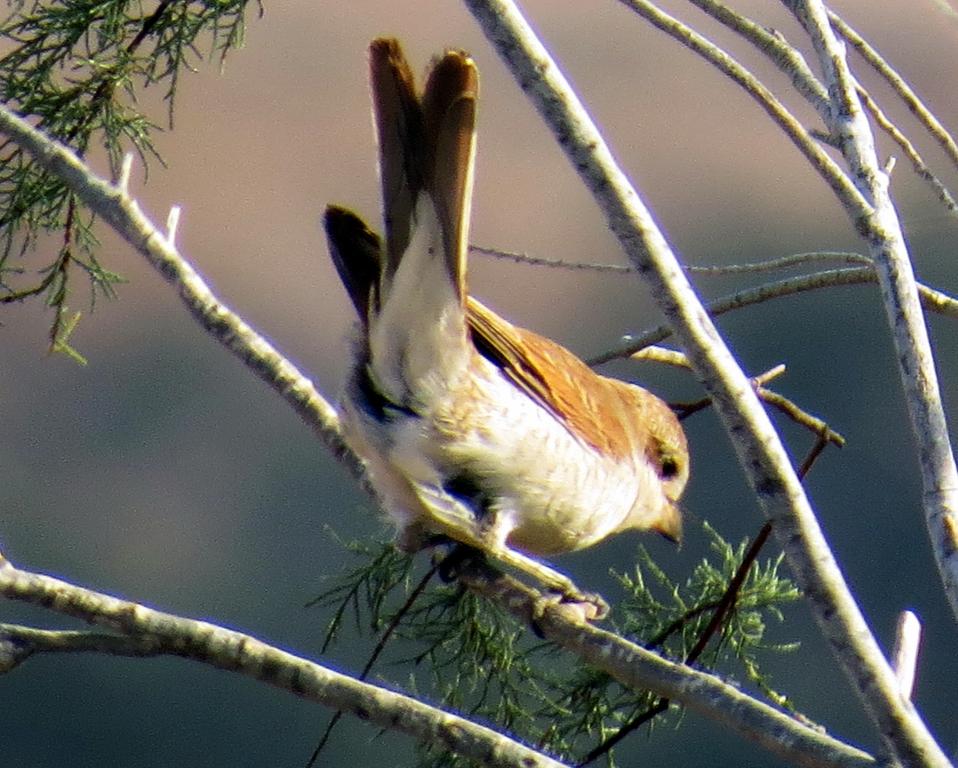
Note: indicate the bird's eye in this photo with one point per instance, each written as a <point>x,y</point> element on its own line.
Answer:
<point>670,467</point>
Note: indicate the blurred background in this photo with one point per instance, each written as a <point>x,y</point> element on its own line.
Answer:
<point>166,473</point>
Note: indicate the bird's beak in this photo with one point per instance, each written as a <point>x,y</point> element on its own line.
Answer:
<point>669,523</point>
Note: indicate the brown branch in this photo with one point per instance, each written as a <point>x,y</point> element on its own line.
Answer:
<point>800,416</point>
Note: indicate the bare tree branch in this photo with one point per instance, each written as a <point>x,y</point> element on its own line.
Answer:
<point>791,62</point>
<point>899,291</point>
<point>146,632</point>
<point>904,91</point>
<point>779,263</point>
<point>772,43</point>
<point>827,168</point>
<point>760,450</point>
<point>770,265</point>
<point>123,214</point>
<point>143,632</point>
<point>917,163</point>
<point>931,300</point>
<point>641,669</point>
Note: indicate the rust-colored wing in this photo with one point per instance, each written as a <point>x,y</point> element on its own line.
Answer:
<point>590,406</point>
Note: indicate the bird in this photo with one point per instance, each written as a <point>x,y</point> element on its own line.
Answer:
<point>472,428</point>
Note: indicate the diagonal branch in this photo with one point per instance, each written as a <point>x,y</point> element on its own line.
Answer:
<point>818,158</point>
<point>904,91</point>
<point>143,631</point>
<point>759,448</point>
<point>135,630</point>
<point>642,670</point>
<point>918,164</point>
<point>772,43</point>
<point>900,296</point>
<point>123,214</point>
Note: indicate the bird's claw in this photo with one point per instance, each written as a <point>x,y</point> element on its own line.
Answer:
<point>578,608</point>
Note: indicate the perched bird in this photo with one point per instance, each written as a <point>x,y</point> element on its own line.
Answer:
<point>471,427</point>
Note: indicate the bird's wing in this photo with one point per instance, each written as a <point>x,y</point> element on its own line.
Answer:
<point>590,406</point>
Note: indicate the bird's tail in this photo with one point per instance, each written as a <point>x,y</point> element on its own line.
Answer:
<point>410,291</point>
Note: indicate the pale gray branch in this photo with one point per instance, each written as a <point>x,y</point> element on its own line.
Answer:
<point>905,653</point>
<point>760,450</point>
<point>792,63</point>
<point>542,261</point>
<point>904,91</point>
<point>771,42</point>
<point>138,631</point>
<point>147,632</point>
<point>931,299</point>
<point>918,164</point>
<point>780,263</point>
<point>113,204</point>
<point>827,168</point>
<point>639,669</point>
<point>900,296</point>
<point>769,265</point>
<point>19,643</point>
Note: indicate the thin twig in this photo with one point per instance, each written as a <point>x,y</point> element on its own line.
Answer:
<point>782,262</point>
<point>541,261</point>
<point>897,82</point>
<point>731,594</point>
<point>917,163</point>
<point>772,43</point>
<point>374,656</point>
<point>675,625</point>
<point>608,744</point>
<point>820,445</point>
<point>788,407</point>
<point>931,300</point>
<point>800,416</point>
<point>770,265</point>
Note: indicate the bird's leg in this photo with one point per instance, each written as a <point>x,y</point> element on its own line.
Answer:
<point>451,517</point>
